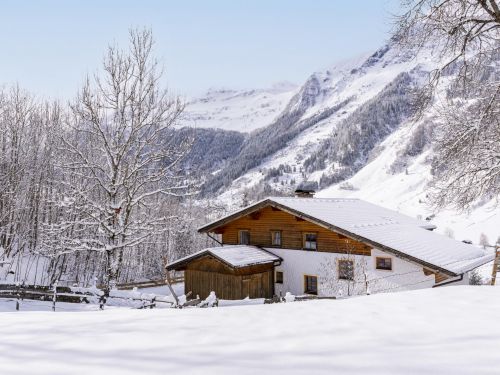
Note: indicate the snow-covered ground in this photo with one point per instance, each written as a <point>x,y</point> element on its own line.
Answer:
<point>450,330</point>
<point>9,305</point>
<point>163,290</point>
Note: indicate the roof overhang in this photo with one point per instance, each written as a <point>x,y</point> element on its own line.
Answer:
<point>181,263</point>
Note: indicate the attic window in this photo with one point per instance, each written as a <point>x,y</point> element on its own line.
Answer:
<point>244,237</point>
<point>276,238</point>
<point>384,263</point>
<point>310,241</point>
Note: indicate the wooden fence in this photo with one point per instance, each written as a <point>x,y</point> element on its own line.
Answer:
<point>19,292</point>
<point>150,283</point>
<point>43,293</point>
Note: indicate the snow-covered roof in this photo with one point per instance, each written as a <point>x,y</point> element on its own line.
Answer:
<point>349,211</point>
<point>235,256</point>
<point>381,227</point>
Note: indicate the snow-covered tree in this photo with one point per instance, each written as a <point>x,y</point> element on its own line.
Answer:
<point>483,240</point>
<point>467,35</point>
<point>448,232</point>
<point>117,160</point>
<point>27,140</point>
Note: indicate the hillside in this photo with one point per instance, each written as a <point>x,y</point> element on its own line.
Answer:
<point>394,333</point>
<point>377,87</point>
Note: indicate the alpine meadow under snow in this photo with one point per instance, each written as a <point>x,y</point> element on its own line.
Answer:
<point>432,331</point>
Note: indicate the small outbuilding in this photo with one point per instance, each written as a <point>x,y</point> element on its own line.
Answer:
<point>232,272</point>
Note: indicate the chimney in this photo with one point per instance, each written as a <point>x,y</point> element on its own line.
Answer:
<point>304,193</point>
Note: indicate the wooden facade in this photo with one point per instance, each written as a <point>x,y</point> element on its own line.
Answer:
<point>206,274</point>
<point>262,223</point>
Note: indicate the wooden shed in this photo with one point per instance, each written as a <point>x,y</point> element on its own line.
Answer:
<point>232,272</point>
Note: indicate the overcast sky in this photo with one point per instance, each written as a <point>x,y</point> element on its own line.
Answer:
<point>48,46</point>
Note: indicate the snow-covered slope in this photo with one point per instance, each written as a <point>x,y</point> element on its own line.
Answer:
<point>238,110</point>
<point>449,330</point>
<point>326,100</point>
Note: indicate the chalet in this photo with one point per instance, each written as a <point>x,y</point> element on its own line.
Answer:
<point>325,247</point>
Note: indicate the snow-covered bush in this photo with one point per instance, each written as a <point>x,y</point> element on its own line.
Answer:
<point>210,301</point>
<point>475,278</point>
<point>289,297</point>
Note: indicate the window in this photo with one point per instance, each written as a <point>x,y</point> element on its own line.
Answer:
<point>276,238</point>
<point>346,269</point>
<point>310,284</point>
<point>310,241</point>
<point>244,237</point>
<point>384,263</point>
<point>279,277</point>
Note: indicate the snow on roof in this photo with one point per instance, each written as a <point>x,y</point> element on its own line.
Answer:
<point>429,247</point>
<point>235,256</point>
<point>348,211</point>
<point>388,229</point>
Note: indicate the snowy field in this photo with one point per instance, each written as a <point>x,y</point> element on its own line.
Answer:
<point>452,330</point>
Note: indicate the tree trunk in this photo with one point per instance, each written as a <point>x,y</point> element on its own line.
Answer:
<point>114,261</point>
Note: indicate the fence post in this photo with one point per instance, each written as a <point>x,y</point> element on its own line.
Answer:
<point>102,301</point>
<point>18,296</point>
<point>54,297</point>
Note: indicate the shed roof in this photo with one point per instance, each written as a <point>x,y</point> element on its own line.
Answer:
<point>235,256</point>
<point>380,227</point>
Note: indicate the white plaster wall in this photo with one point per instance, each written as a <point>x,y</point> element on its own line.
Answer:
<point>297,263</point>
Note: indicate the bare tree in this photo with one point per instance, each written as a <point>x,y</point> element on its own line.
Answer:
<point>346,275</point>
<point>466,33</point>
<point>448,232</point>
<point>27,129</point>
<point>117,161</point>
<point>483,240</point>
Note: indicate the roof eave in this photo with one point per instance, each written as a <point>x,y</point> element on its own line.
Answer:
<point>183,262</point>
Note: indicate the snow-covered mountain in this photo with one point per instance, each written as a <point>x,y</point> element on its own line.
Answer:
<point>345,93</point>
<point>239,110</point>
<point>349,129</point>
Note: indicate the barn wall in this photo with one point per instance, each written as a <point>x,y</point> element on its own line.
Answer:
<point>261,224</point>
<point>207,274</point>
